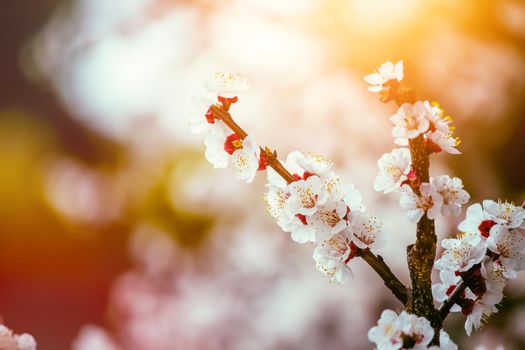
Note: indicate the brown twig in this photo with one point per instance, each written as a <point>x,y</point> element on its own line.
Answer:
<point>271,157</point>
<point>376,262</point>
<point>390,280</point>
<point>447,305</point>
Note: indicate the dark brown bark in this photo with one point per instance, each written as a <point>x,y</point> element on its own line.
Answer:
<point>421,255</point>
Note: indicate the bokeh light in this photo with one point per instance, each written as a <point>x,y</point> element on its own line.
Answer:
<point>116,234</point>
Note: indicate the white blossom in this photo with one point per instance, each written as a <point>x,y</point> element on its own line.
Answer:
<point>366,230</point>
<point>403,331</point>
<point>415,206</point>
<point>346,192</point>
<point>386,72</point>
<point>245,160</point>
<point>274,180</point>
<point>214,141</point>
<point>505,213</point>
<point>309,164</point>
<point>94,338</point>
<point>480,310</point>
<point>445,343</point>
<point>300,231</point>
<point>461,253</point>
<point>495,277</point>
<point>410,121</point>
<point>483,219</point>
<point>227,85</point>
<point>328,220</point>
<point>11,341</point>
<point>306,196</point>
<point>440,132</point>
<point>444,141</point>
<point>477,221</point>
<point>393,170</point>
<point>441,291</point>
<point>200,118</point>
<point>221,150</point>
<point>332,256</point>
<point>436,117</point>
<point>452,192</point>
<point>509,244</point>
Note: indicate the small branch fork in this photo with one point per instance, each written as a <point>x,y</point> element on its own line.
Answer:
<point>447,305</point>
<point>376,262</point>
<point>469,278</point>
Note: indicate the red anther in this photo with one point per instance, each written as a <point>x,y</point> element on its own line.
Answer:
<point>263,162</point>
<point>432,147</point>
<point>209,116</point>
<point>307,174</point>
<point>302,218</point>
<point>389,92</point>
<point>484,228</point>
<point>233,142</point>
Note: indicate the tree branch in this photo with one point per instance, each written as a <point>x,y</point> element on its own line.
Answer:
<point>381,268</point>
<point>271,157</point>
<point>447,305</point>
<point>422,254</point>
<point>376,262</point>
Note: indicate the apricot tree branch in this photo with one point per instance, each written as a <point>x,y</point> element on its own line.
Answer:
<point>376,262</point>
<point>422,254</point>
<point>447,305</point>
<point>381,268</point>
<point>271,157</point>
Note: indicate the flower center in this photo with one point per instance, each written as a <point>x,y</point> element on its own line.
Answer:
<point>308,199</point>
<point>411,122</point>
<point>409,341</point>
<point>330,217</point>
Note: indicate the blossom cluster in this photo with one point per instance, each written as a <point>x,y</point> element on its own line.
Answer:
<point>491,246</point>
<point>406,331</point>
<point>316,206</point>
<point>488,252</point>
<point>223,146</point>
<point>11,341</point>
<point>442,194</point>
<point>309,201</point>
<point>413,119</point>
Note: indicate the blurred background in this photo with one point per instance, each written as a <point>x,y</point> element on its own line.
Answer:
<point>116,234</point>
